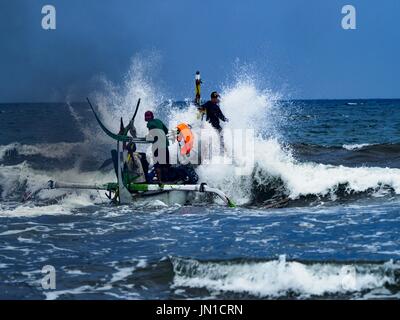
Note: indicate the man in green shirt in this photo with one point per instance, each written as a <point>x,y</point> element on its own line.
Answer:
<point>157,129</point>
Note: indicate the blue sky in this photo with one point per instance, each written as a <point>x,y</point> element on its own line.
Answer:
<point>295,46</point>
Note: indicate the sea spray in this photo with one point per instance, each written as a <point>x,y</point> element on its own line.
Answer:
<point>247,107</point>
<point>116,101</point>
<point>274,160</point>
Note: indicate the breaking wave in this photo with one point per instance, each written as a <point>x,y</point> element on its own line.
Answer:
<point>355,146</point>
<point>286,279</point>
<point>54,151</point>
<point>277,172</point>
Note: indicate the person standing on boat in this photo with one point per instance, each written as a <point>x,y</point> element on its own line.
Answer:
<point>158,132</point>
<point>214,115</point>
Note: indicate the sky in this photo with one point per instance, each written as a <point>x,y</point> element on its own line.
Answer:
<point>296,47</point>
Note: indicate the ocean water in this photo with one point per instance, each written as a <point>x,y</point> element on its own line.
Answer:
<point>334,163</point>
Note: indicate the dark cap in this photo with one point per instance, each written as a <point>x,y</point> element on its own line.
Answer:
<point>131,147</point>
<point>148,115</point>
<point>214,94</point>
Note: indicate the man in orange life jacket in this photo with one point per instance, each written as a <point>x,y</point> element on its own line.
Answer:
<point>185,136</point>
<point>214,114</point>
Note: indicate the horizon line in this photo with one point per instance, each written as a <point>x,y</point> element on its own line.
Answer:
<point>184,100</point>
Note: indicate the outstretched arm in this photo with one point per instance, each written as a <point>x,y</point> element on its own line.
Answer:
<point>219,114</point>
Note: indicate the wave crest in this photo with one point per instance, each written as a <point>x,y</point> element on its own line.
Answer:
<point>282,278</point>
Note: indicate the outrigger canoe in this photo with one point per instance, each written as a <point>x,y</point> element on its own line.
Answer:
<point>121,192</point>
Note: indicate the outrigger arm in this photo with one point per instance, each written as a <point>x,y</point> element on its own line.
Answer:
<point>202,188</point>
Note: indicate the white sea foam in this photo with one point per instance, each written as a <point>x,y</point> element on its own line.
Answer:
<point>36,228</point>
<point>355,146</point>
<point>125,272</point>
<point>280,277</point>
<point>53,295</point>
<point>76,272</point>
